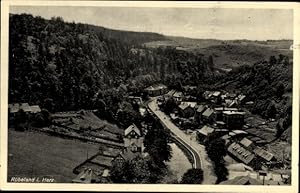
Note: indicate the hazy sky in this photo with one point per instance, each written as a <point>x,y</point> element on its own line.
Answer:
<point>204,23</point>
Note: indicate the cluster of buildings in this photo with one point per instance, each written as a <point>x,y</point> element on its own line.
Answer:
<point>248,153</point>
<point>25,107</point>
<point>96,168</point>
<point>221,113</point>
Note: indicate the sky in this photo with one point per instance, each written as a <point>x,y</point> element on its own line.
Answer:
<point>202,23</point>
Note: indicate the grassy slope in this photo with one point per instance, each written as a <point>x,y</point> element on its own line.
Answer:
<point>229,53</point>
<point>40,154</point>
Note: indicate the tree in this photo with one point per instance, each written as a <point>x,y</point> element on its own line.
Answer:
<point>169,105</point>
<point>279,91</point>
<point>137,170</point>
<point>217,150</point>
<point>221,172</point>
<point>272,60</point>
<point>271,111</point>
<point>192,176</point>
<point>21,120</point>
<point>156,143</point>
<point>121,172</point>
<point>210,62</point>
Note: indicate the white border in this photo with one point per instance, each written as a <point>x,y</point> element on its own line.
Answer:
<point>157,187</point>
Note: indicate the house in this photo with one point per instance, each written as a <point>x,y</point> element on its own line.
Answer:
<point>35,109</point>
<point>126,155</point>
<point>25,107</point>
<point>218,113</point>
<point>264,155</point>
<point>241,98</point>
<point>187,109</point>
<point>247,143</point>
<point>240,153</point>
<point>133,139</point>
<point>189,89</point>
<point>207,94</point>
<point>216,97</point>
<point>135,99</point>
<point>242,180</point>
<point>156,90</point>
<point>233,119</point>
<point>178,96</point>
<point>87,176</point>
<point>170,93</point>
<point>207,115</point>
<point>199,110</point>
<point>231,95</point>
<point>204,132</point>
<point>16,107</point>
<point>233,104</point>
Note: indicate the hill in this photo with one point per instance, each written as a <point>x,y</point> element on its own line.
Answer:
<point>128,37</point>
<point>67,66</point>
<point>228,53</point>
<point>269,85</point>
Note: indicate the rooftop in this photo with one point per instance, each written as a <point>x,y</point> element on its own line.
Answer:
<point>156,87</point>
<point>246,142</point>
<point>225,109</point>
<point>129,155</point>
<point>171,92</point>
<point>242,180</point>
<point>134,128</point>
<point>14,108</point>
<point>201,108</point>
<point>205,130</point>
<point>241,153</point>
<point>35,108</point>
<point>233,113</point>
<point>184,105</point>
<point>25,107</point>
<point>216,93</point>
<point>103,160</point>
<point>178,94</point>
<point>87,176</point>
<point>208,112</point>
<point>263,153</point>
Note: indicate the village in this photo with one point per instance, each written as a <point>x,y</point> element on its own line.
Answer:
<point>226,115</point>
<point>222,114</point>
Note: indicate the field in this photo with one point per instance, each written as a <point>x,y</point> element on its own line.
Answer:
<point>38,154</point>
<point>230,53</point>
<point>89,123</point>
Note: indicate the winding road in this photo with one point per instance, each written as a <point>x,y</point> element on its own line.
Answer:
<point>197,150</point>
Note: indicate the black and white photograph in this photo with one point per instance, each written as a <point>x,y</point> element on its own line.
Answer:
<point>116,93</point>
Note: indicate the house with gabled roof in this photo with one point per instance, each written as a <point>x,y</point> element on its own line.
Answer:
<point>207,116</point>
<point>233,119</point>
<point>126,155</point>
<point>247,143</point>
<point>133,139</point>
<point>25,107</point>
<point>35,109</point>
<point>86,176</point>
<point>199,110</point>
<point>203,133</point>
<point>156,90</point>
<point>264,155</point>
<point>240,153</point>
<point>187,109</point>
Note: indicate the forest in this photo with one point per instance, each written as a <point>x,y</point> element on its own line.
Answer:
<point>65,66</point>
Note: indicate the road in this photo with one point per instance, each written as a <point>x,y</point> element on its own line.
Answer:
<point>198,150</point>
